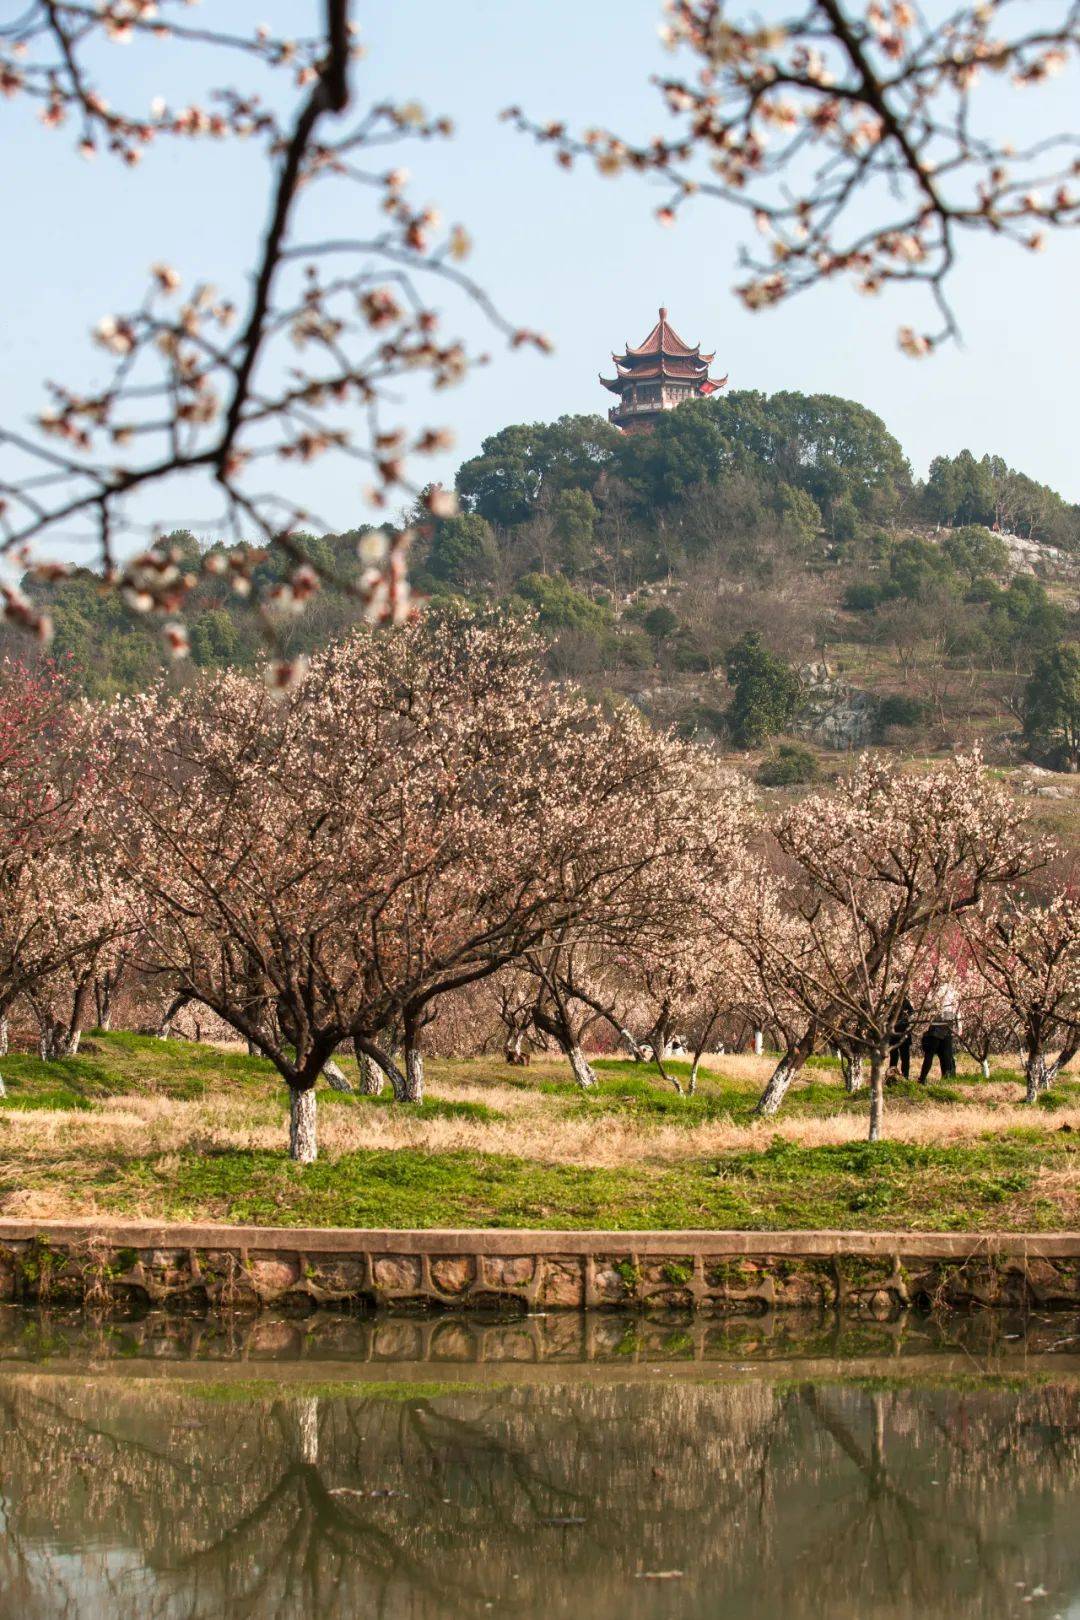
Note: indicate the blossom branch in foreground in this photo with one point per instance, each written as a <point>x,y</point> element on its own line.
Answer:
<point>220,390</point>
<point>860,139</point>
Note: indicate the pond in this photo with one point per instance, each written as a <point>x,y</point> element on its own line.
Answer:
<point>603,1466</point>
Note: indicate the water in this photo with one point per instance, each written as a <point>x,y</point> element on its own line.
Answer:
<point>560,1467</point>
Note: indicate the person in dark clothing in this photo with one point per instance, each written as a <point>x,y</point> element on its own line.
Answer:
<point>938,1039</point>
<point>900,1044</point>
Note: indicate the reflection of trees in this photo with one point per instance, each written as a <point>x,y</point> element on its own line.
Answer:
<point>797,1500</point>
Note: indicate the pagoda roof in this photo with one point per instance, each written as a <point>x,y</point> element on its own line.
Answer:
<point>664,340</point>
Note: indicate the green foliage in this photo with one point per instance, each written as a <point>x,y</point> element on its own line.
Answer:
<point>660,623</point>
<point>574,519</point>
<point>1052,705</point>
<point>799,515</point>
<point>961,490</point>
<point>463,552</point>
<point>792,764</point>
<point>685,449</point>
<point>918,568</point>
<point>864,595</point>
<point>899,709</point>
<point>1022,619</point>
<point>558,606</point>
<point>505,481</point>
<point>976,552</point>
<point>767,692</point>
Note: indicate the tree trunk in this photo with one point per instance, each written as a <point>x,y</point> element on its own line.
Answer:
<point>851,1067</point>
<point>633,1045</point>
<point>57,1041</point>
<point>1039,1075</point>
<point>782,1076</point>
<point>103,994</point>
<point>176,1006</point>
<point>336,1078</point>
<point>691,1085</point>
<point>307,1430</point>
<point>414,1075</point>
<point>372,1079</point>
<point>759,1042</point>
<point>3,1035</point>
<point>985,1066</point>
<point>302,1126</point>
<point>879,1063</point>
<point>582,1070</point>
<point>3,1088</point>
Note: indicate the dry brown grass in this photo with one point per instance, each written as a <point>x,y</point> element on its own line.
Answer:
<point>532,1126</point>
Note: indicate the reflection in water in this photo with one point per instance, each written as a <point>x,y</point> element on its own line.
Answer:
<point>214,1488</point>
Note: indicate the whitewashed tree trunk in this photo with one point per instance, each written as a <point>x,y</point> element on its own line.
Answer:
<point>759,1042</point>
<point>777,1087</point>
<point>175,1007</point>
<point>307,1430</point>
<point>372,1079</point>
<point>985,1066</point>
<point>581,1068</point>
<point>302,1146</point>
<point>414,1075</point>
<point>1039,1073</point>
<point>632,1044</point>
<point>58,1042</point>
<point>691,1085</point>
<point>4,1036</point>
<point>851,1067</point>
<point>336,1078</point>
<point>3,1088</point>
<point>879,1063</point>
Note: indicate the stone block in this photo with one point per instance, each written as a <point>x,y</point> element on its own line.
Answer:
<point>563,1283</point>
<point>272,1277</point>
<point>452,1273</point>
<point>398,1273</point>
<point>507,1271</point>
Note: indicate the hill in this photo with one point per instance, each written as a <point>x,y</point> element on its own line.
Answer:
<point>759,568</point>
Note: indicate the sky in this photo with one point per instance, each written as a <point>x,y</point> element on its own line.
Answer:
<point>578,256</point>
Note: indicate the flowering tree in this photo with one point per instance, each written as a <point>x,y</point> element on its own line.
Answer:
<point>645,950</point>
<point>863,141</point>
<point>880,867</point>
<point>989,1025</point>
<point>210,386</point>
<point>1028,953</point>
<point>59,908</point>
<point>85,921</point>
<point>419,812</point>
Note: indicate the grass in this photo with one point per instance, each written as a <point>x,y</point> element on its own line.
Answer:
<point>172,1130</point>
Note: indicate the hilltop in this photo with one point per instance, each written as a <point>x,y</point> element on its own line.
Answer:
<point>764,573</point>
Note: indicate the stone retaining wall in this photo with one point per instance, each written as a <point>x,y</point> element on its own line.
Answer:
<point>198,1268</point>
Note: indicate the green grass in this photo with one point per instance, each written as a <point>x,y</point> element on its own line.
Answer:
<point>638,1091</point>
<point>121,1064</point>
<point>888,1185</point>
<point>985,1181</point>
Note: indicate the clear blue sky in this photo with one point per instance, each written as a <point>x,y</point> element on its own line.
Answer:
<point>579,256</point>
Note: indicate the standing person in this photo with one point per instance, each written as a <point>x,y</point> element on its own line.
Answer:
<point>938,1040</point>
<point>900,1042</point>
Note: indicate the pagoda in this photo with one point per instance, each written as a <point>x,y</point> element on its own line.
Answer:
<point>658,375</point>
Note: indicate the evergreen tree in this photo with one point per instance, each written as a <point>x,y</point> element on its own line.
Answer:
<point>767,692</point>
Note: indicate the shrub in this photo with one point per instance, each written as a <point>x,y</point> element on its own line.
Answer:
<point>898,709</point>
<point>790,765</point>
<point>863,596</point>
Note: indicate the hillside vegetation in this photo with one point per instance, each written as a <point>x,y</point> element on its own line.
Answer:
<point>758,568</point>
